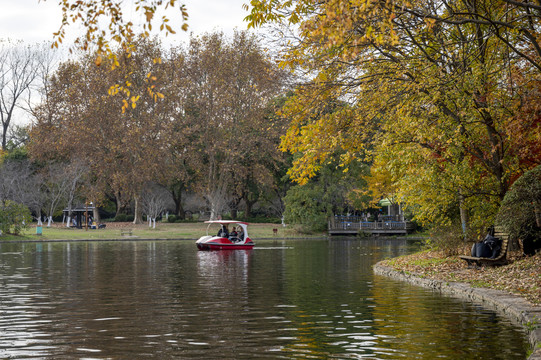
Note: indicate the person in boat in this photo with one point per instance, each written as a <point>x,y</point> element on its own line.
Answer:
<point>240,234</point>
<point>223,232</point>
<point>233,235</point>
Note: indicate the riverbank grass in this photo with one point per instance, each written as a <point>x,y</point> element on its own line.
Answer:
<point>114,231</point>
<point>522,276</point>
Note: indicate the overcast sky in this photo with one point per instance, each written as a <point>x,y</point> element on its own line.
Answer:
<point>36,21</point>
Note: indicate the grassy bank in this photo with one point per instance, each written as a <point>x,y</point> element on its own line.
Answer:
<point>522,276</point>
<point>189,231</point>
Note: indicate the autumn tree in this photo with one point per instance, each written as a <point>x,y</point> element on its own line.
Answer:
<point>82,120</point>
<point>201,125</point>
<point>106,23</point>
<point>439,84</point>
<point>110,25</point>
<point>330,192</point>
<point>230,84</point>
<point>181,159</point>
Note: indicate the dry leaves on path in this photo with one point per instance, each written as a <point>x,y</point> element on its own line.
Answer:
<point>522,276</point>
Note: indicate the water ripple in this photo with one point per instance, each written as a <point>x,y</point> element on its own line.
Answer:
<point>318,300</point>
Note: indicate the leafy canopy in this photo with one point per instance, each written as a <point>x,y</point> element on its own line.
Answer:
<point>441,95</point>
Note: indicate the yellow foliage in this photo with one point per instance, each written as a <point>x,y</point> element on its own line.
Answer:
<point>433,100</point>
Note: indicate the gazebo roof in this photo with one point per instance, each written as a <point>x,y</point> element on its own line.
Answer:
<point>80,208</point>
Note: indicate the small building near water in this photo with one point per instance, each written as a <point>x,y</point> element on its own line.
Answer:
<point>389,220</point>
<point>78,215</point>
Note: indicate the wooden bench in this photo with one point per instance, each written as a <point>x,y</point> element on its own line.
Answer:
<point>501,259</point>
<point>126,232</point>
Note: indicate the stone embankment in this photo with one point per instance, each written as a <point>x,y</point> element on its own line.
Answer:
<point>511,306</point>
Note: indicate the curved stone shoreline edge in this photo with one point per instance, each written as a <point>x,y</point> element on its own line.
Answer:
<point>514,307</point>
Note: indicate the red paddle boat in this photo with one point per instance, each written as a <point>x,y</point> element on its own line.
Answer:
<point>226,240</point>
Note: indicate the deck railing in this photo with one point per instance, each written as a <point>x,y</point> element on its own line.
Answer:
<point>369,225</point>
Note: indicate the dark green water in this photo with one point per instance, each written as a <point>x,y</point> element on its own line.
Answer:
<point>298,299</point>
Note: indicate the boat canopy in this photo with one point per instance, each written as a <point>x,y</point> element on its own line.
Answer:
<point>242,224</point>
<point>225,222</point>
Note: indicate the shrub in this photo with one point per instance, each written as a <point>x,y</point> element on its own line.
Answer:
<point>185,221</point>
<point>264,220</point>
<point>172,218</point>
<point>304,207</point>
<point>130,218</point>
<point>448,239</point>
<point>520,211</point>
<point>14,217</point>
<point>121,218</point>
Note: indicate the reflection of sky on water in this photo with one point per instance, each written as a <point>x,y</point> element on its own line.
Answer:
<point>223,265</point>
<point>21,328</point>
<point>305,299</point>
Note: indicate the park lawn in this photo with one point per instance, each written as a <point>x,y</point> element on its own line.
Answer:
<point>187,231</point>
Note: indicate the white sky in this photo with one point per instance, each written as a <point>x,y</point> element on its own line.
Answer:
<point>37,20</point>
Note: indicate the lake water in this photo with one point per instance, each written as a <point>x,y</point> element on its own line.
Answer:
<point>302,299</point>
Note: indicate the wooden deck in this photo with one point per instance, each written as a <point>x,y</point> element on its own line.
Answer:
<point>376,227</point>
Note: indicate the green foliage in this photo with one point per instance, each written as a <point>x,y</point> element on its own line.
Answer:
<point>16,153</point>
<point>330,192</point>
<point>263,220</point>
<point>520,209</point>
<point>14,217</point>
<point>447,118</point>
<point>186,221</point>
<point>304,207</point>
<point>171,219</point>
<point>447,239</point>
<point>121,218</point>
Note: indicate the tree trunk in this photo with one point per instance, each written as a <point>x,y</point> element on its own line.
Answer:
<point>212,213</point>
<point>177,198</point>
<point>40,223</point>
<point>138,218</point>
<point>463,214</point>
<point>180,211</point>
<point>120,206</point>
<point>249,205</point>
<point>96,214</point>
<point>234,205</point>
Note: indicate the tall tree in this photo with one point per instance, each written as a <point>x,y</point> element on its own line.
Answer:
<point>439,84</point>
<point>109,26</point>
<point>18,71</point>
<point>80,120</point>
<point>231,84</point>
